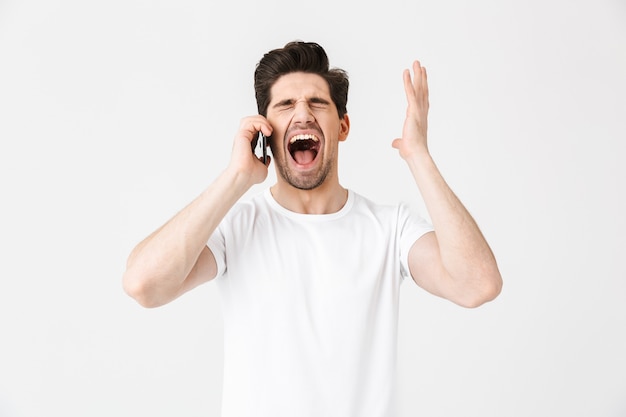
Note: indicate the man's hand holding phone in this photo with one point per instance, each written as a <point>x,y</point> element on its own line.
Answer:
<point>252,130</point>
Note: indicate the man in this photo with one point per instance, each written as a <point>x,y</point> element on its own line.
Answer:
<point>308,271</point>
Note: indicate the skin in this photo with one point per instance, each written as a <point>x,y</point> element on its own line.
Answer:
<point>453,262</point>
<point>301,104</point>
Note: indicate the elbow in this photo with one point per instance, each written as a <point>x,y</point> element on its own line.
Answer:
<point>488,290</point>
<point>138,288</point>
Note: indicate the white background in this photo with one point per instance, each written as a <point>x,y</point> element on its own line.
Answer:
<point>114,115</point>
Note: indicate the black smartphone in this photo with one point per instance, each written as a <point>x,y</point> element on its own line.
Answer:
<point>263,140</point>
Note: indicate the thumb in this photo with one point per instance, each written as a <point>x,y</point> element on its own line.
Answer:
<point>396,143</point>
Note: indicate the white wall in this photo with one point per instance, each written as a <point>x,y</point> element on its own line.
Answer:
<point>113,115</point>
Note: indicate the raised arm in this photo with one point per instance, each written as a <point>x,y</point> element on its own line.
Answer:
<point>175,258</point>
<point>455,262</point>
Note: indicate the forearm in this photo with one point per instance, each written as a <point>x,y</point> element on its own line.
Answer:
<point>465,254</point>
<point>158,266</point>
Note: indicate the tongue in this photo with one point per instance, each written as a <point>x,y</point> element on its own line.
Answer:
<point>304,157</point>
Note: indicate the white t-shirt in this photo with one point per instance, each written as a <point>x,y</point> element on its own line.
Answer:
<point>310,306</point>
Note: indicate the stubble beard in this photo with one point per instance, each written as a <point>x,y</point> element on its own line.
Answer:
<point>308,181</point>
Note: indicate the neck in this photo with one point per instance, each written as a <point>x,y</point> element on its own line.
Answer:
<point>326,199</point>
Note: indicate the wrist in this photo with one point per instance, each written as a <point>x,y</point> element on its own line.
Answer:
<point>419,158</point>
<point>238,181</point>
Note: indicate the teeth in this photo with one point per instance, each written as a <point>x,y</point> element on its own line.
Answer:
<point>303,137</point>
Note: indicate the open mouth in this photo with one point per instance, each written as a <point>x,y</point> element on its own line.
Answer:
<point>304,148</point>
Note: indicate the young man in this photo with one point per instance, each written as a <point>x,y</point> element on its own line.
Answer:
<point>309,272</point>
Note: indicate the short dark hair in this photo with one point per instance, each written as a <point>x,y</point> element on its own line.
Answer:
<point>298,56</point>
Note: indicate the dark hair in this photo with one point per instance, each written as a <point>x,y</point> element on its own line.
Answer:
<point>298,56</point>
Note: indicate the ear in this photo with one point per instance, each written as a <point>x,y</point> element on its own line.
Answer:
<point>344,128</point>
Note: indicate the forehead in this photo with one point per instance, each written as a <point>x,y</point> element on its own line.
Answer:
<point>297,85</point>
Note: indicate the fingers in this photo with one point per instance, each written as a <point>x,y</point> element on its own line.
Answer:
<point>425,81</point>
<point>252,125</point>
<point>409,90</point>
<point>415,124</point>
<point>416,87</point>
<point>244,159</point>
<point>420,78</point>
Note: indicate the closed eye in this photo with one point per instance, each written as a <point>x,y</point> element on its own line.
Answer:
<point>319,102</point>
<point>314,102</point>
<point>284,104</point>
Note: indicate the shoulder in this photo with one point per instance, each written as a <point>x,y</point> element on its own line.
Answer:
<point>400,216</point>
<point>246,210</point>
<point>394,212</point>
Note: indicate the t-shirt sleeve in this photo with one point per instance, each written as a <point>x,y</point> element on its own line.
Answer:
<point>216,244</point>
<point>411,226</point>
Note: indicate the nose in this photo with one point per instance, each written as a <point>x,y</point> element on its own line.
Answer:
<point>302,112</point>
